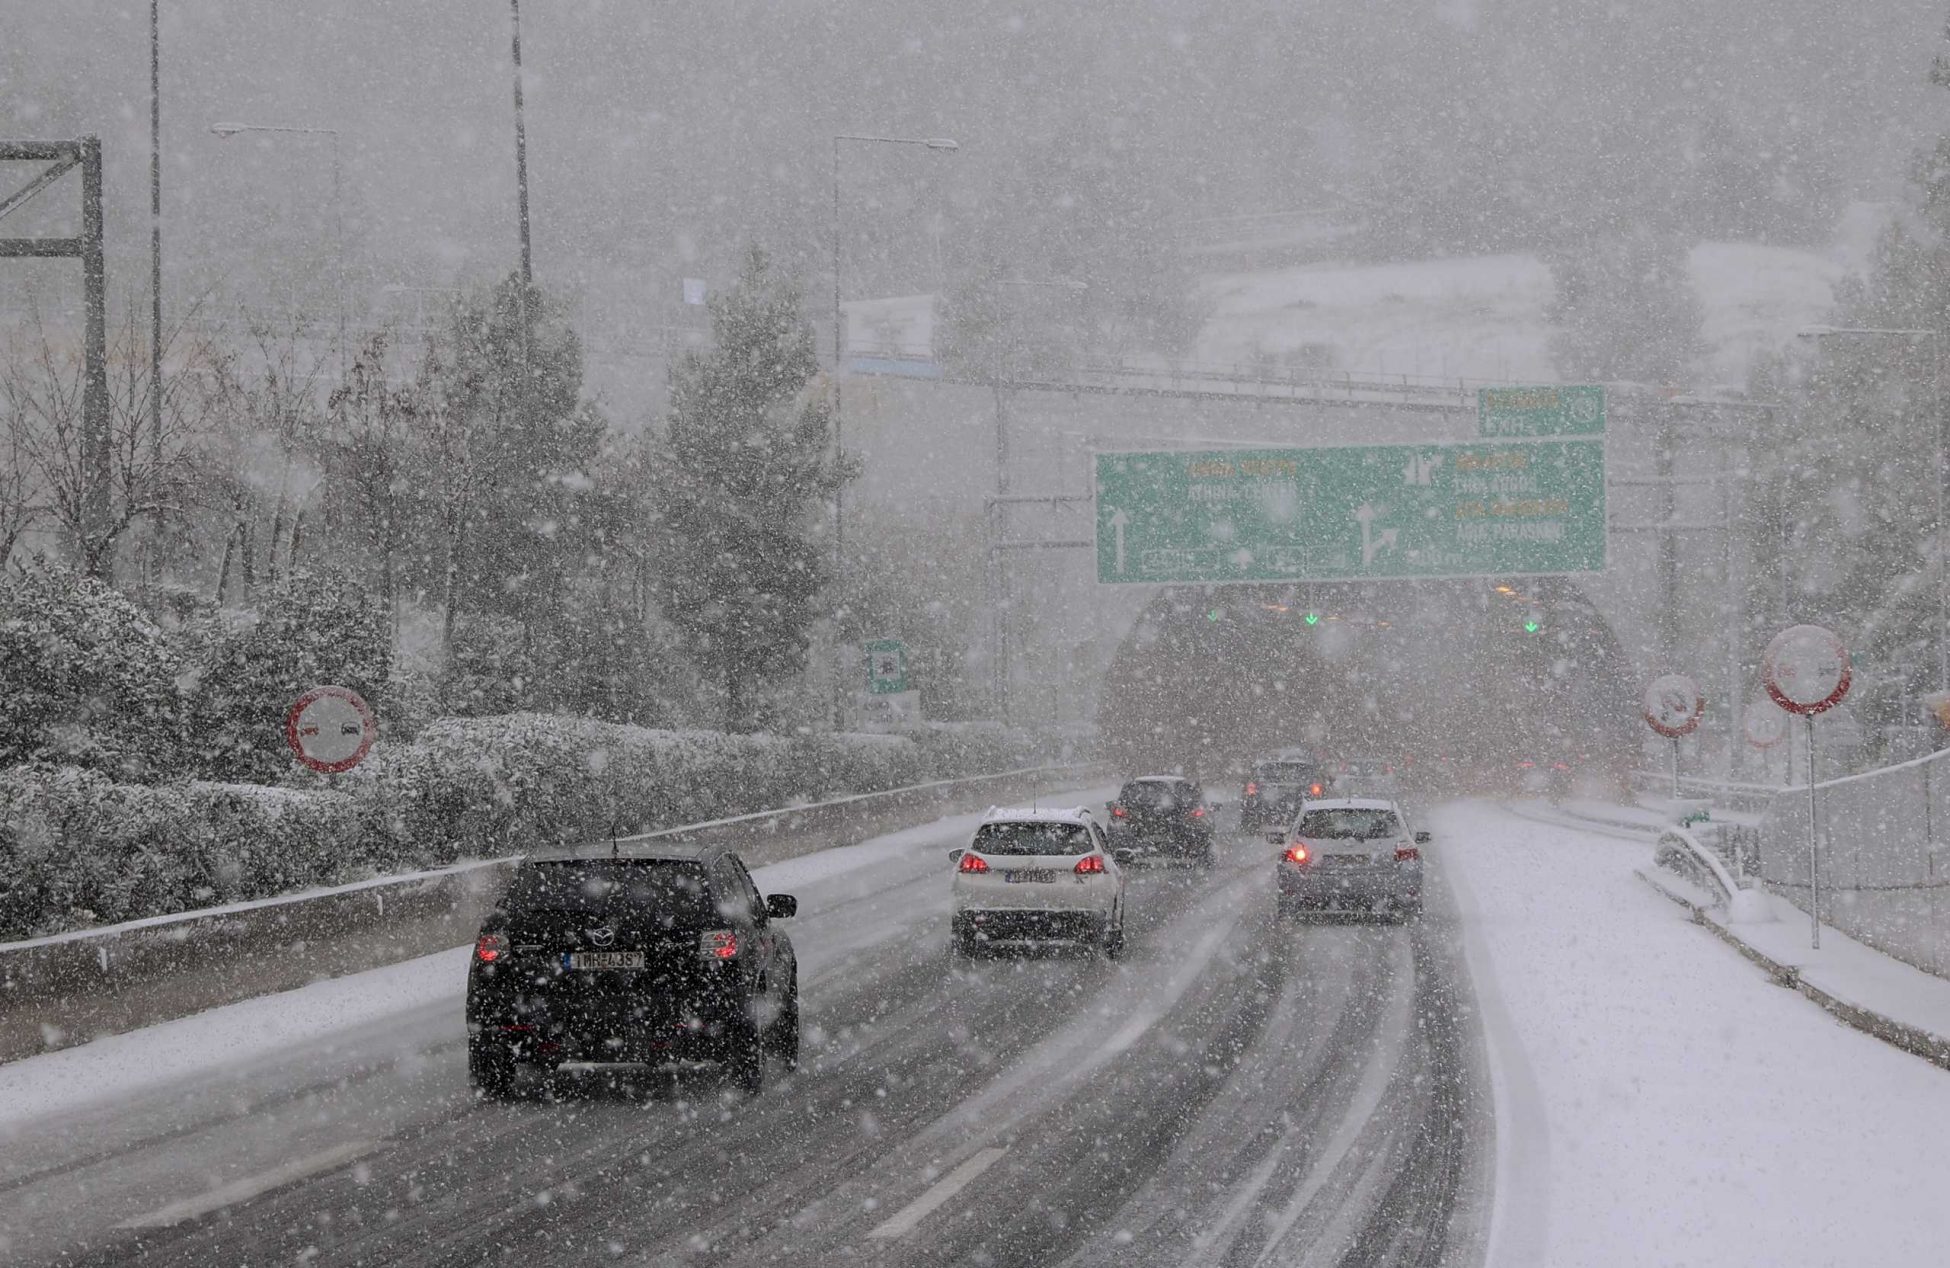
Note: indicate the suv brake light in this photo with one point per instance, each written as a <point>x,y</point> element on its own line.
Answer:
<point>1198,812</point>
<point>1315,790</point>
<point>1407,854</point>
<point>719,944</point>
<point>489,947</point>
<point>1252,788</point>
<point>1090,865</point>
<point>1118,812</point>
<point>972,862</point>
<point>1297,854</point>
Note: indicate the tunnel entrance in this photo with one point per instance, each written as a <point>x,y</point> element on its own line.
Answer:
<point>1473,676</point>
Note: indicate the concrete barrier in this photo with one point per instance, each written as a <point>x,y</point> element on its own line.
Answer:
<point>72,987</point>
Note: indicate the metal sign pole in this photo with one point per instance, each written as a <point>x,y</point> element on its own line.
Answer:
<point>1675,768</point>
<point>1814,848</point>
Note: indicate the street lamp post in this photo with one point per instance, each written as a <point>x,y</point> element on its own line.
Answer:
<point>839,338</point>
<point>1942,394</point>
<point>228,130</point>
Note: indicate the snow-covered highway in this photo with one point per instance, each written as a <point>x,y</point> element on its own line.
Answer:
<point>1551,1067</point>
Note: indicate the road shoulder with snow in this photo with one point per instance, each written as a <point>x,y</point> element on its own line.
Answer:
<point>1659,1101</point>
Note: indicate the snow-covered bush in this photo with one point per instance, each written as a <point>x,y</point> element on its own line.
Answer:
<point>85,678</point>
<point>311,628</point>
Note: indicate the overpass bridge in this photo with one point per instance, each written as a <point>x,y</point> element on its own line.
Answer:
<point>1686,586</point>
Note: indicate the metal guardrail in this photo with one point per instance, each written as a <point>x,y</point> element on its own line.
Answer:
<point>1751,798</point>
<point>74,986</point>
<point>1681,851</point>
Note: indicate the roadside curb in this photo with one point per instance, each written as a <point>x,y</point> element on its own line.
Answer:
<point>1931,1047</point>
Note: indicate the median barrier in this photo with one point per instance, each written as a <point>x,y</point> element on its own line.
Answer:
<point>67,988</point>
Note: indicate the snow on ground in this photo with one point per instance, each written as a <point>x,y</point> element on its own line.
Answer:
<point>1658,1100</point>
<point>1477,317</point>
<point>118,1065</point>
<point>1484,317</point>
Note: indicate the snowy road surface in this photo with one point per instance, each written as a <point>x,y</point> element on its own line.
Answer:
<point>1233,1092</point>
<point>1236,1091</point>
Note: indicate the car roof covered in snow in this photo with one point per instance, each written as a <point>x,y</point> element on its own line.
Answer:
<point>1037,814</point>
<point>1351,803</point>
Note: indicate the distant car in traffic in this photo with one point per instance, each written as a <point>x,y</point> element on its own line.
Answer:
<point>1037,876</point>
<point>1350,852</point>
<point>1277,786</point>
<point>631,954</point>
<point>1162,816</point>
<point>1367,777</point>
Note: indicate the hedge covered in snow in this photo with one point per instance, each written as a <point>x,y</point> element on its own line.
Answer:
<point>77,848</point>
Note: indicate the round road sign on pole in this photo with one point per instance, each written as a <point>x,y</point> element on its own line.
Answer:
<point>1673,705</point>
<point>1806,670</point>
<point>331,729</point>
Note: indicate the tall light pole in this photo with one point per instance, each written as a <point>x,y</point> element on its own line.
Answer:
<point>228,130</point>
<point>155,271</point>
<point>1942,394</point>
<point>521,161</point>
<point>839,338</point>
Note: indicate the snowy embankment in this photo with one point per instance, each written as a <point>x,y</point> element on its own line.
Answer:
<point>1659,1101</point>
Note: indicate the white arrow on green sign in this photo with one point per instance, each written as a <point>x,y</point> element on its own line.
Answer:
<point>1381,511</point>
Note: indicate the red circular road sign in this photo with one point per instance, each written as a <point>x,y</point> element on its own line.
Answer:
<point>331,729</point>
<point>1806,669</point>
<point>1673,705</point>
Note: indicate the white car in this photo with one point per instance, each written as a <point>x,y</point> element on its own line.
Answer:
<point>1033,876</point>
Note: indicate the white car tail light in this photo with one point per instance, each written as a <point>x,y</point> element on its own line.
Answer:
<point>972,863</point>
<point>1090,865</point>
<point>1297,853</point>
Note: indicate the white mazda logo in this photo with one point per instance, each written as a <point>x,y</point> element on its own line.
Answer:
<point>602,937</point>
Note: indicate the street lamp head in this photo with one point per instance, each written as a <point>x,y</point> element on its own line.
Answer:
<point>229,129</point>
<point>941,143</point>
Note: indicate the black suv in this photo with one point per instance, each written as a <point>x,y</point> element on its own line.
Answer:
<point>1276,789</point>
<point>631,953</point>
<point>1162,815</point>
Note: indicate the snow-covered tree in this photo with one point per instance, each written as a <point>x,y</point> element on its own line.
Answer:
<point>737,481</point>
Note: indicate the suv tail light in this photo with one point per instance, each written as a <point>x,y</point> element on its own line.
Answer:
<point>1118,812</point>
<point>1198,812</point>
<point>1314,790</point>
<point>1090,865</point>
<point>1407,854</point>
<point>719,944</point>
<point>972,862</point>
<point>1252,788</point>
<point>490,947</point>
<point>1297,853</point>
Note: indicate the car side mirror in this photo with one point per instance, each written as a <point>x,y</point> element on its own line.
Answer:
<point>1423,838</point>
<point>954,856</point>
<point>781,906</point>
<point>1124,857</point>
<point>1275,836</point>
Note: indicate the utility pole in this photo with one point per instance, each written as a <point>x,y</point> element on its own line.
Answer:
<point>155,279</point>
<point>521,162</point>
<point>96,450</point>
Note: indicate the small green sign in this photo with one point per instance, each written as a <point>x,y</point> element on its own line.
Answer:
<point>1482,509</point>
<point>1540,411</point>
<point>886,667</point>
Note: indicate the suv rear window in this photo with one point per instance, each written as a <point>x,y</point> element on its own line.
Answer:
<point>1155,794</point>
<point>673,891</point>
<point>1348,824</point>
<point>1032,838</point>
<point>1286,773</point>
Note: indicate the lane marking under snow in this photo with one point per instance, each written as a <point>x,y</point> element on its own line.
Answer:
<point>904,1221</point>
<point>250,1186</point>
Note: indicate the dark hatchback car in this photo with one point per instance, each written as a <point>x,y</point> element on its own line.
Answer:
<point>1162,816</point>
<point>631,954</point>
<point>1276,788</point>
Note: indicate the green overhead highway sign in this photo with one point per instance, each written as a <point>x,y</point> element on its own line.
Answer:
<point>1540,411</point>
<point>1382,511</point>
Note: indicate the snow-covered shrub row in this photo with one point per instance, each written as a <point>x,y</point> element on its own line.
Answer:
<point>77,848</point>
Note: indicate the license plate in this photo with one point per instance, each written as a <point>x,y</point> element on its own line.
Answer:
<point>604,959</point>
<point>1030,876</point>
<point>1346,860</point>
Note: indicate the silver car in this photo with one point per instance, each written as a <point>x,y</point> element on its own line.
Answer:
<point>1348,853</point>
